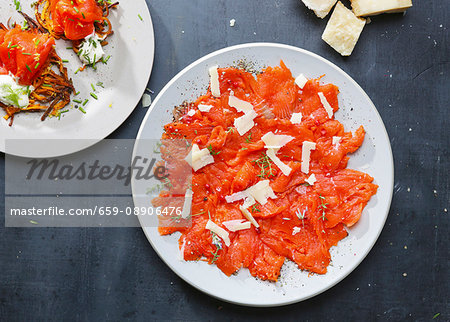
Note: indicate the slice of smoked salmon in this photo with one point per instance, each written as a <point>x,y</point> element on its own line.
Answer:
<point>304,220</point>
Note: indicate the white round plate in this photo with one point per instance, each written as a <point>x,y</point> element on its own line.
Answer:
<point>374,158</point>
<point>124,78</point>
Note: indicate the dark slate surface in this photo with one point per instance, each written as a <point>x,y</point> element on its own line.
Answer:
<point>401,62</point>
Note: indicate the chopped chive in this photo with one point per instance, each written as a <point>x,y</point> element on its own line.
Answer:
<point>85,102</point>
<point>36,43</point>
<point>105,60</point>
<point>94,96</point>
<point>69,47</point>
<point>77,101</point>
<point>46,85</point>
<point>82,110</point>
<point>65,61</point>
<point>93,88</point>
<point>28,54</point>
<point>82,14</point>
<point>140,17</point>
<point>77,93</point>
<point>100,84</point>
<point>65,111</point>
<point>76,9</point>
<point>28,67</point>
<point>37,65</point>
<point>9,55</point>
<point>76,72</point>
<point>9,44</point>
<point>14,46</point>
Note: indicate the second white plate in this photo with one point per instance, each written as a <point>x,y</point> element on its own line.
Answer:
<point>124,79</point>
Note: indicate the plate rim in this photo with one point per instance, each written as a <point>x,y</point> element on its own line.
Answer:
<point>349,270</point>
<point>87,143</point>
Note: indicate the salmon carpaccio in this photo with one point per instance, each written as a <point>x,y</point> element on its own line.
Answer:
<point>304,221</point>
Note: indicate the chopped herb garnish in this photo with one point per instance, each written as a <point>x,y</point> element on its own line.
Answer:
<point>27,54</point>
<point>248,139</point>
<point>255,209</point>
<point>100,84</point>
<point>302,215</point>
<point>265,166</point>
<point>78,101</point>
<point>18,6</point>
<point>36,66</point>
<point>94,96</point>
<point>82,110</point>
<point>211,150</point>
<point>85,102</point>
<point>323,207</point>
<point>93,87</point>
<point>105,60</point>
<point>28,67</point>
<point>46,85</point>
<point>65,61</point>
<point>140,17</point>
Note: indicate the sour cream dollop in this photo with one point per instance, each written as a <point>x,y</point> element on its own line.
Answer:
<point>11,93</point>
<point>91,50</point>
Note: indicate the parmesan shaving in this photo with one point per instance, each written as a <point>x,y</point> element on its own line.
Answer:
<point>326,105</point>
<point>296,118</point>
<point>214,79</point>
<point>185,213</point>
<point>219,231</point>
<point>236,225</point>
<point>204,108</point>
<point>191,113</point>
<point>239,105</point>
<point>306,155</point>
<point>311,180</point>
<point>283,167</point>
<point>274,141</point>
<point>197,158</point>
<point>259,192</point>
<point>301,81</point>
<point>236,196</point>
<point>295,231</point>
<point>244,123</point>
<point>336,140</point>
<point>249,201</point>
<point>249,216</point>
